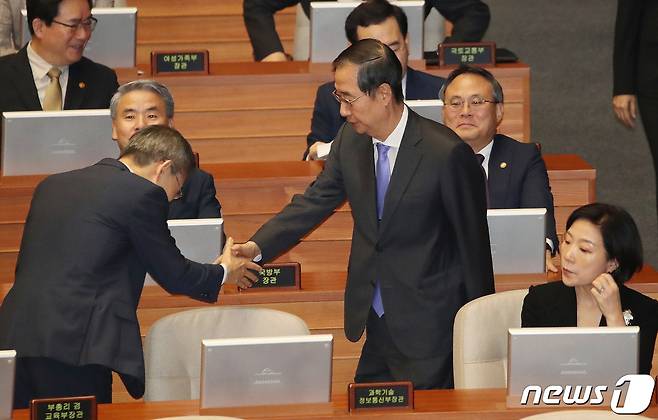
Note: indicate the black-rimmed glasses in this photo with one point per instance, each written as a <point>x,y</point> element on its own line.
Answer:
<point>87,24</point>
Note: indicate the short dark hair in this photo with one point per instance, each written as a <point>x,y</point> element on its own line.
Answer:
<point>46,10</point>
<point>479,71</point>
<point>377,63</point>
<point>157,143</point>
<point>373,12</point>
<point>621,237</point>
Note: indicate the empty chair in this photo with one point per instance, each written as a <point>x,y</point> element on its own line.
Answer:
<point>480,339</point>
<point>172,348</point>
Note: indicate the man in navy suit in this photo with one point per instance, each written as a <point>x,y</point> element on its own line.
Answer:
<point>386,23</point>
<point>516,172</point>
<point>90,237</point>
<point>50,73</point>
<point>141,103</point>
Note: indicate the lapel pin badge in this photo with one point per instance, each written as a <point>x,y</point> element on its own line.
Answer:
<point>82,85</point>
<point>503,165</point>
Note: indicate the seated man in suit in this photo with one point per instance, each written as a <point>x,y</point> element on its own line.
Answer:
<point>470,20</point>
<point>90,237</point>
<point>50,73</point>
<point>141,103</point>
<point>516,172</point>
<point>387,23</point>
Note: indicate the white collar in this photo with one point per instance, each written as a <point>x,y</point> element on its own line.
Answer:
<point>395,138</point>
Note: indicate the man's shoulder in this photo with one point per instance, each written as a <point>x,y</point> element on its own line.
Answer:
<point>425,79</point>
<point>89,67</point>
<point>8,61</point>
<point>505,143</point>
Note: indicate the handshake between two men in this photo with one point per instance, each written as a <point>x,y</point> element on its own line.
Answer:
<point>237,260</point>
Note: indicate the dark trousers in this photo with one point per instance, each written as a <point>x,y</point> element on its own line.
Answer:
<point>381,361</point>
<point>40,377</point>
<point>649,112</point>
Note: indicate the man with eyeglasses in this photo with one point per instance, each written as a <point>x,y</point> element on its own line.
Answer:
<point>420,244</point>
<point>50,73</point>
<point>90,237</point>
<point>387,23</point>
<point>142,103</point>
<point>516,173</point>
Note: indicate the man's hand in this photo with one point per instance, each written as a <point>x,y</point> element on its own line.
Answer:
<point>237,267</point>
<point>313,151</point>
<point>625,107</point>
<point>550,266</point>
<point>246,250</point>
<point>275,56</point>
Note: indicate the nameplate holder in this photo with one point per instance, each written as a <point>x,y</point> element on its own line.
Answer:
<point>83,408</point>
<point>381,396</point>
<point>471,53</point>
<point>277,277</point>
<point>179,62</point>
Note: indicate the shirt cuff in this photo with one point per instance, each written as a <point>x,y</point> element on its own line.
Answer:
<point>225,274</point>
<point>324,149</point>
<point>550,245</point>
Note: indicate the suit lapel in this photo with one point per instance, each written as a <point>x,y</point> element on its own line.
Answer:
<point>406,163</point>
<point>367,202</point>
<point>499,174</point>
<point>25,81</point>
<point>75,88</point>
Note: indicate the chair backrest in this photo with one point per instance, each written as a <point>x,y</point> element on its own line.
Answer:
<point>480,339</point>
<point>172,348</point>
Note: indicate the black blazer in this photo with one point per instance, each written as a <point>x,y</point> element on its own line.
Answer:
<point>635,58</point>
<point>90,85</point>
<point>518,179</point>
<point>430,252</point>
<point>326,120</point>
<point>199,198</point>
<point>90,237</point>
<point>554,305</point>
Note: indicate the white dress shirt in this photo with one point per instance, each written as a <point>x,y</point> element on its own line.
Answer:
<point>40,69</point>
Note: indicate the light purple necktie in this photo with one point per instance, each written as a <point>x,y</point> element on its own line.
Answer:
<point>383,178</point>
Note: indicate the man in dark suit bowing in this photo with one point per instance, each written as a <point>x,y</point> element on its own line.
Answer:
<point>380,20</point>
<point>420,244</point>
<point>90,237</point>
<point>141,103</point>
<point>50,73</point>
<point>516,172</point>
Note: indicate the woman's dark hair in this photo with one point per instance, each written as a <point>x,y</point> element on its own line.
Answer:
<point>621,238</point>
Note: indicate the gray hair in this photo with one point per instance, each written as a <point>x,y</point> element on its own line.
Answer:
<point>148,85</point>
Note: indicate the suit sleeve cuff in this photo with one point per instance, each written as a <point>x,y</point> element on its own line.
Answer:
<point>324,149</point>
<point>225,273</point>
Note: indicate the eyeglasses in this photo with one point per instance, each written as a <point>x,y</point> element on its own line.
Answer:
<point>345,101</point>
<point>476,102</point>
<point>179,195</point>
<point>87,24</point>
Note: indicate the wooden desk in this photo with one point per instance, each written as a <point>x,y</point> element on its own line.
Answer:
<point>249,111</point>
<point>251,193</point>
<point>482,404</point>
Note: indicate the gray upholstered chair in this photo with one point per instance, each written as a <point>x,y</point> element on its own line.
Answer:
<point>172,348</point>
<point>480,339</point>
